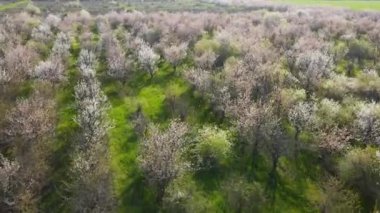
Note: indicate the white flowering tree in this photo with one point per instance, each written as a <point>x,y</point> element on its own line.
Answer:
<point>30,127</point>
<point>200,79</point>
<point>19,62</point>
<point>148,59</point>
<point>52,20</point>
<point>4,76</point>
<point>206,60</point>
<point>92,178</point>
<point>51,70</point>
<point>116,60</point>
<point>42,33</point>
<point>302,117</point>
<point>30,118</point>
<point>175,54</point>
<point>160,155</point>
<point>61,47</point>
<point>368,123</point>
<point>92,110</point>
<point>87,60</point>
<point>312,67</point>
<point>8,181</point>
<point>92,188</point>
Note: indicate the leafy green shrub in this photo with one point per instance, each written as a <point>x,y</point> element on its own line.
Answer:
<point>205,45</point>
<point>41,48</point>
<point>32,9</point>
<point>339,51</point>
<point>368,85</point>
<point>328,111</point>
<point>360,50</point>
<point>337,198</point>
<point>213,146</point>
<point>361,168</point>
<point>347,111</point>
<point>183,195</point>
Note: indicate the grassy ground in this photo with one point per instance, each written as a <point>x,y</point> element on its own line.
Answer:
<point>66,136</point>
<point>150,94</point>
<point>7,6</point>
<point>194,5</point>
<point>353,5</point>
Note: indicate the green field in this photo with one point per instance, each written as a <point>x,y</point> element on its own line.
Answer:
<point>354,5</point>
<point>12,5</point>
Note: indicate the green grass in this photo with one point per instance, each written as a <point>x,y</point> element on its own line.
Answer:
<point>353,5</point>
<point>66,135</point>
<point>13,5</point>
<point>150,94</point>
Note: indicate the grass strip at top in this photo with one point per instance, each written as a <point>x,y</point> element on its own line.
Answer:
<point>13,5</point>
<point>364,5</point>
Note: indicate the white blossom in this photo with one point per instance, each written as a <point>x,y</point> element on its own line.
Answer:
<point>160,156</point>
<point>313,66</point>
<point>368,123</point>
<point>147,58</point>
<point>116,60</point>
<point>92,110</point>
<point>206,60</point>
<point>51,70</point>
<point>61,46</point>
<point>52,20</point>
<point>175,54</point>
<point>302,116</point>
<point>200,78</point>
<point>8,172</point>
<point>4,76</point>
<point>42,33</point>
<point>87,61</point>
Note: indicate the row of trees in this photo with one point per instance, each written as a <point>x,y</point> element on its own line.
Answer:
<point>29,126</point>
<point>92,186</point>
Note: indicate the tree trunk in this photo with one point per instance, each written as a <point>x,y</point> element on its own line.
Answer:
<point>151,75</point>
<point>308,92</point>
<point>160,193</point>
<point>296,135</point>
<point>296,142</point>
<point>255,148</point>
<point>273,177</point>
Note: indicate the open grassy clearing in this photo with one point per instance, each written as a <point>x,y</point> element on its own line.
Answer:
<point>353,5</point>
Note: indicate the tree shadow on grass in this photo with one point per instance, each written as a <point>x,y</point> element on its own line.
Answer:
<point>293,182</point>
<point>137,196</point>
<point>67,134</point>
